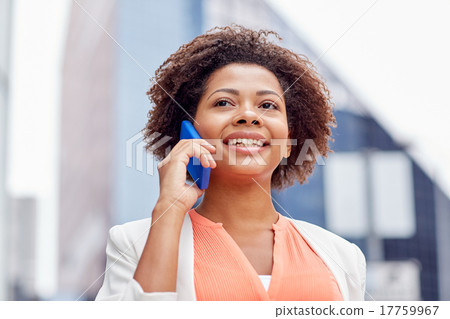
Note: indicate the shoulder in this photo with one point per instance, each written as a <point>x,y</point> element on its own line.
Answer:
<point>325,242</point>
<point>318,233</point>
<point>130,238</point>
<point>133,226</point>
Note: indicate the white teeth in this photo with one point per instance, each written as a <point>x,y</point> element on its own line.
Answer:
<point>246,141</point>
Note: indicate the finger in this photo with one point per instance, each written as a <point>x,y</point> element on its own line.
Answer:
<point>210,147</point>
<point>204,160</point>
<point>205,156</point>
<point>188,148</point>
<point>208,155</point>
<point>198,150</point>
<point>211,161</point>
<point>208,158</point>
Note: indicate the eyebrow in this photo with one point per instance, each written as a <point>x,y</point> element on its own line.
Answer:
<point>236,92</point>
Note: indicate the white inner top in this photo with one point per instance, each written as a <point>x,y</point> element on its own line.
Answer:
<point>265,280</point>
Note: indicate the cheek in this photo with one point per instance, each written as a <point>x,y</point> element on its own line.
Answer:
<point>280,128</point>
<point>209,124</point>
<point>282,140</point>
<point>209,130</point>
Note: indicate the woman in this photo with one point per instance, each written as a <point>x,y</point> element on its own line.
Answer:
<point>254,104</point>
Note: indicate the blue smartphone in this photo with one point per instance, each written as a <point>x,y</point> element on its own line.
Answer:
<point>199,173</point>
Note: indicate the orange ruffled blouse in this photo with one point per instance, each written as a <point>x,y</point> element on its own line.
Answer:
<point>223,272</point>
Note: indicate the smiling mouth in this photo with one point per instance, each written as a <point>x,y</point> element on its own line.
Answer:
<point>245,142</point>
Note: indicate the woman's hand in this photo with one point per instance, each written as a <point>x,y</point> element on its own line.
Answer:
<point>172,172</point>
<point>157,268</point>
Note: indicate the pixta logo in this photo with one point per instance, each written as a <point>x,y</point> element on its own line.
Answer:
<point>136,153</point>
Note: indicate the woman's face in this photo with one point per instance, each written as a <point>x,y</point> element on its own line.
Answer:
<point>245,100</point>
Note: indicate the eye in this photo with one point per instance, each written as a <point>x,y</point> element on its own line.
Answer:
<point>269,105</point>
<point>222,102</point>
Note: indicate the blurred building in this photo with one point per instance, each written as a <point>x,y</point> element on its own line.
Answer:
<point>5,36</point>
<point>88,120</point>
<point>370,191</point>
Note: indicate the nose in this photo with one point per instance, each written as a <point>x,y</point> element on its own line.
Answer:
<point>247,117</point>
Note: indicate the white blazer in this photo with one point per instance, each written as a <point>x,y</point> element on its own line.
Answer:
<point>126,243</point>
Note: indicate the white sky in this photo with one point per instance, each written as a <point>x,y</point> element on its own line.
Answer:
<point>36,59</point>
<point>395,58</point>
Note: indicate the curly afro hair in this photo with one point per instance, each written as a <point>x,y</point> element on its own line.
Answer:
<point>181,81</point>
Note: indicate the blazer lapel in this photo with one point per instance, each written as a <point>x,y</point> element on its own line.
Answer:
<point>185,272</point>
<point>319,244</point>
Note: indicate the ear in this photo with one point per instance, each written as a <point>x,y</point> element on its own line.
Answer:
<point>288,151</point>
<point>288,147</point>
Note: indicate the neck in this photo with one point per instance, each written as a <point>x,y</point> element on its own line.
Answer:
<point>239,204</point>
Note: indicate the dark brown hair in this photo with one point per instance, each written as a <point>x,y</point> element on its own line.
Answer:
<point>181,80</point>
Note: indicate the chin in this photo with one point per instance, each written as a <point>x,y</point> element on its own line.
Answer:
<point>245,171</point>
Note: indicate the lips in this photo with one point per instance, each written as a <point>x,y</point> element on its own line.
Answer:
<point>247,135</point>
<point>245,150</point>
